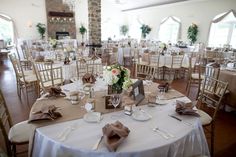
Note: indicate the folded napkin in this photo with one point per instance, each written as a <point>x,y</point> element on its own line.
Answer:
<point>163,87</point>
<point>39,59</point>
<point>82,60</point>
<point>55,92</point>
<point>114,134</point>
<point>46,113</point>
<point>94,57</point>
<point>183,108</point>
<point>88,78</point>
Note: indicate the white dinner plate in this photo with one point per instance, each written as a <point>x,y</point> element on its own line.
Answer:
<point>92,117</point>
<point>141,115</point>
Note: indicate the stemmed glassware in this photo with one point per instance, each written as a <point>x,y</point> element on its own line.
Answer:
<point>115,100</point>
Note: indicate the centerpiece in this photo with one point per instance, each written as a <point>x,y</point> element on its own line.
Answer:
<point>53,43</point>
<point>117,77</point>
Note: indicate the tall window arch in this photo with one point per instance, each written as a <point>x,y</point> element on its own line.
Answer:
<point>223,30</point>
<point>7,31</point>
<point>170,29</point>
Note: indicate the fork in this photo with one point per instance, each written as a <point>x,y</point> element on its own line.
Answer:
<point>63,136</point>
<point>161,133</point>
<point>167,133</point>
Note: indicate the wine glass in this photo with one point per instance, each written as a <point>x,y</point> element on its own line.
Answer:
<point>115,100</point>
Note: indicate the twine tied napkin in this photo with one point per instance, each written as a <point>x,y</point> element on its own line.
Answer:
<point>88,78</point>
<point>114,134</point>
<point>183,108</point>
<point>55,92</point>
<point>47,112</point>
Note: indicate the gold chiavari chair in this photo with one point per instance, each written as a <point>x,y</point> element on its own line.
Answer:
<point>175,67</point>
<point>142,71</point>
<point>209,103</point>
<point>13,135</point>
<point>24,79</point>
<point>81,68</point>
<point>48,75</point>
<point>154,62</point>
<point>25,61</point>
<point>94,66</point>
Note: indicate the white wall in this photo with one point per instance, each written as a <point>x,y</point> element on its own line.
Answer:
<point>200,12</point>
<point>23,12</point>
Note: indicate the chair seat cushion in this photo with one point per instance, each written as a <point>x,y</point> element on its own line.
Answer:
<point>196,76</point>
<point>30,78</point>
<point>204,117</point>
<point>19,132</point>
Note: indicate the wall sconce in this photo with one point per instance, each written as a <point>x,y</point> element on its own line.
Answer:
<point>29,24</point>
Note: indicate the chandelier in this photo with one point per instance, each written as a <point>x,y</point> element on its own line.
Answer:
<point>70,4</point>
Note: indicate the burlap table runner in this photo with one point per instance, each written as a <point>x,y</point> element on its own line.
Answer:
<point>72,112</point>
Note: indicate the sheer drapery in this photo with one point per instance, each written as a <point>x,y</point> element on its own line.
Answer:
<point>175,20</point>
<point>13,25</point>
<point>222,30</point>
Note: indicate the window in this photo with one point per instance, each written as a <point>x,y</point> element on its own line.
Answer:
<point>169,30</point>
<point>6,29</point>
<point>223,30</point>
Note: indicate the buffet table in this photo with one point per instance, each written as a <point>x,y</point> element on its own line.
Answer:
<point>187,136</point>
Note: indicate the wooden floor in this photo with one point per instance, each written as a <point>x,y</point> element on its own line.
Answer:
<point>225,142</point>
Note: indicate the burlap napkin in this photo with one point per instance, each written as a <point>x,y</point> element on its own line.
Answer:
<point>114,134</point>
<point>55,92</point>
<point>88,78</point>
<point>183,108</point>
<point>46,113</point>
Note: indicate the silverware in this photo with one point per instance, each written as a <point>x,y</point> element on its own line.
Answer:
<point>179,119</point>
<point>95,147</point>
<point>65,133</point>
<point>161,133</point>
<point>167,133</point>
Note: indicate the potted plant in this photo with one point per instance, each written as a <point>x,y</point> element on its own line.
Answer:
<point>192,33</point>
<point>41,29</point>
<point>82,31</point>
<point>124,30</point>
<point>145,30</point>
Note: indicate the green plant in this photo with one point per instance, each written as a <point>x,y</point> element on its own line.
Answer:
<point>192,33</point>
<point>82,31</point>
<point>124,30</point>
<point>41,29</point>
<point>145,30</point>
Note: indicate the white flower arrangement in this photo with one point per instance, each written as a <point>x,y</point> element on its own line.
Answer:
<point>117,76</point>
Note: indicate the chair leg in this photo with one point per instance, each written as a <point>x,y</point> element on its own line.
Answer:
<point>188,87</point>
<point>212,138</point>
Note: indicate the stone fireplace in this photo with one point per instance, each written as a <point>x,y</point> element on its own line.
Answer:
<point>60,20</point>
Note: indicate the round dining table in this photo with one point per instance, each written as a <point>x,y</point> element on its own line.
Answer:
<point>164,133</point>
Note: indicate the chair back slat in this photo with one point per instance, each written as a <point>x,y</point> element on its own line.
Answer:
<point>5,121</point>
<point>212,93</point>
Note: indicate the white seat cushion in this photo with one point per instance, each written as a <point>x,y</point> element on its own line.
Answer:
<point>19,132</point>
<point>196,76</point>
<point>204,117</point>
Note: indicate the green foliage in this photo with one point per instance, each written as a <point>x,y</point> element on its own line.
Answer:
<point>124,29</point>
<point>82,30</point>
<point>41,29</point>
<point>192,33</point>
<point>145,30</point>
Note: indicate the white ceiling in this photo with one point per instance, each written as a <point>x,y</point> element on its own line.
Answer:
<point>126,5</point>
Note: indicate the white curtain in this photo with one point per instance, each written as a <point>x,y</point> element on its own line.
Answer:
<point>14,27</point>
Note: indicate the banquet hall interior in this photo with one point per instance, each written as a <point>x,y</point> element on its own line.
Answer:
<point>118,78</point>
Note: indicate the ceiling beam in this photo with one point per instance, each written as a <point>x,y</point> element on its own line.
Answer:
<point>154,5</point>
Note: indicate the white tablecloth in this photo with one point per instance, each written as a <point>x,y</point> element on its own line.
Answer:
<point>142,140</point>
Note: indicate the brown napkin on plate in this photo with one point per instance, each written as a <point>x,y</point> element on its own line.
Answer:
<point>164,87</point>
<point>55,92</point>
<point>88,78</point>
<point>114,134</point>
<point>183,108</point>
<point>47,112</point>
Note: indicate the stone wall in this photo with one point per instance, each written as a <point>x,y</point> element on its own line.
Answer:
<point>94,20</point>
<point>59,24</point>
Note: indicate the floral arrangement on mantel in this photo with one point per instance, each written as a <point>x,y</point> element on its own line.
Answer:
<point>118,77</point>
<point>53,43</point>
<point>192,33</point>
